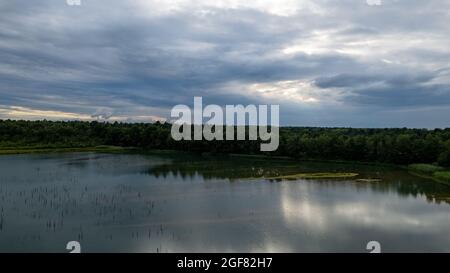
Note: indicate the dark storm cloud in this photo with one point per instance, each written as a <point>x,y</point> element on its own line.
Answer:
<point>403,95</point>
<point>143,57</point>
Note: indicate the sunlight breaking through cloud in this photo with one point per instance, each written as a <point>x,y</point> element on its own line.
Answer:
<point>24,113</point>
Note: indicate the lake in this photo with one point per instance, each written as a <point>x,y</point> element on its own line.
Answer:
<point>175,202</point>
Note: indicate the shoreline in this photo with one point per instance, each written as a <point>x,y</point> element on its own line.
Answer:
<point>117,149</point>
<point>44,150</point>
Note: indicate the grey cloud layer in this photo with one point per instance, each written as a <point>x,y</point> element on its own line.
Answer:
<point>134,58</point>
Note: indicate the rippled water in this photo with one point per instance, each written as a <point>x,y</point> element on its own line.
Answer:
<point>177,202</point>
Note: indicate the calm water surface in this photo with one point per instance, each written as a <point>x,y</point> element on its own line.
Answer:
<point>177,202</point>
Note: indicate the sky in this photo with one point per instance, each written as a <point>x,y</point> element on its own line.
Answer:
<point>346,63</point>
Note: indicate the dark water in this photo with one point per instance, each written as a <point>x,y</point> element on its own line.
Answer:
<point>176,202</point>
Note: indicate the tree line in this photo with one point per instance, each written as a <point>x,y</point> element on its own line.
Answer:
<point>389,145</point>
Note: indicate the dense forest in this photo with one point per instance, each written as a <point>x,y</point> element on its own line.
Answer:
<point>399,146</point>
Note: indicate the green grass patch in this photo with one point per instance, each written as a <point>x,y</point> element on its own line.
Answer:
<point>443,176</point>
<point>437,173</point>
<point>425,168</point>
<point>314,176</point>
